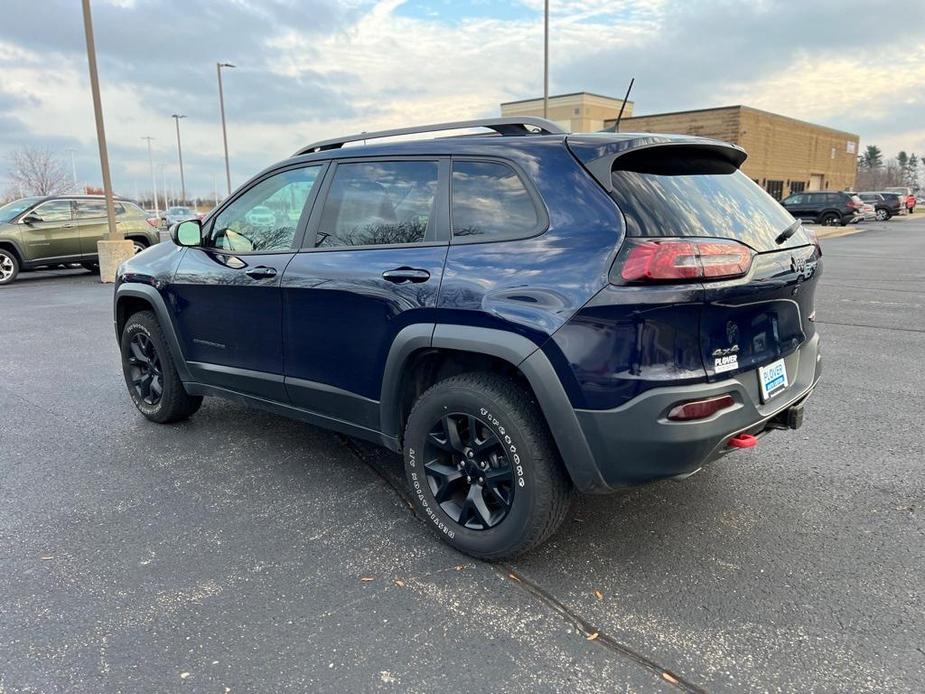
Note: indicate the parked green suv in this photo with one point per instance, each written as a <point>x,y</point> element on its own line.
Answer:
<point>63,229</point>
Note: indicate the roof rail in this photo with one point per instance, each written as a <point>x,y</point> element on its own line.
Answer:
<point>502,126</point>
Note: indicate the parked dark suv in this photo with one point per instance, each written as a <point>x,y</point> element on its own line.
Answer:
<point>828,209</point>
<point>886,204</point>
<point>522,314</point>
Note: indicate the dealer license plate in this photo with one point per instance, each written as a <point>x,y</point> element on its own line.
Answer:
<point>773,379</point>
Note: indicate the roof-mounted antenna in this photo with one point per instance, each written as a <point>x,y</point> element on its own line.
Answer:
<point>616,126</point>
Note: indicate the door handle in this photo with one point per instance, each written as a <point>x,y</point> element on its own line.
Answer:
<point>68,226</point>
<point>261,272</point>
<point>405,274</point>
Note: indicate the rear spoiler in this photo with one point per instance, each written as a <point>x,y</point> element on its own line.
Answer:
<point>598,152</point>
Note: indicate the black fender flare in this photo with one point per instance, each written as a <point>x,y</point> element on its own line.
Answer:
<point>521,353</point>
<point>153,298</point>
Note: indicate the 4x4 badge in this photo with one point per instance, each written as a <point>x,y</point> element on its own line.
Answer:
<point>798,264</point>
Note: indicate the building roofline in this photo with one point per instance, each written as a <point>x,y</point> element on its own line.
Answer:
<point>740,107</point>
<point>562,96</point>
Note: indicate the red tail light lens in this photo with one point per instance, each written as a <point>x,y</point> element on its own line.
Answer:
<point>700,409</point>
<point>680,259</point>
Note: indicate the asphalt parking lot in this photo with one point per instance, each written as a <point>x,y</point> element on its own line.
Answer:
<point>240,552</point>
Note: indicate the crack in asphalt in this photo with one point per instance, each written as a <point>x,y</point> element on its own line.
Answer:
<point>873,327</point>
<point>538,593</point>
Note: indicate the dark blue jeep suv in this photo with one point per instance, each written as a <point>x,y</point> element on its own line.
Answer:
<point>522,313</point>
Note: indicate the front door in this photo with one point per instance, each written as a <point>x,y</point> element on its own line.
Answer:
<point>373,262</point>
<point>226,295</point>
<point>54,235</point>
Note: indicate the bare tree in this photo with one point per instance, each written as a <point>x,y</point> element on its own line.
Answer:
<point>35,171</point>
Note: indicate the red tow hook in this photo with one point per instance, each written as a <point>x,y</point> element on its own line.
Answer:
<point>743,441</point>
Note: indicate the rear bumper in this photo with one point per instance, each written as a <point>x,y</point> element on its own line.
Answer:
<point>636,443</point>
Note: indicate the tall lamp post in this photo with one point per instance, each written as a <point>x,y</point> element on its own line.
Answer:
<point>114,248</point>
<point>72,152</point>
<point>177,117</point>
<point>157,212</point>
<point>221,105</point>
<point>546,60</point>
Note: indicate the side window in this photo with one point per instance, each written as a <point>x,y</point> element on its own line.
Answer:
<point>264,219</point>
<point>794,200</point>
<point>119,208</point>
<point>91,209</point>
<point>374,203</point>
<point>54,211</point>
<point>489,199</point>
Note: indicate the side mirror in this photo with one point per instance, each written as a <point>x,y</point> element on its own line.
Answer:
<point>30,219</point>
<point>188,233</point>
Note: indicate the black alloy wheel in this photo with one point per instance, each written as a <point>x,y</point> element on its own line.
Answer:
<point>468,471</point>
<point>145,369</point>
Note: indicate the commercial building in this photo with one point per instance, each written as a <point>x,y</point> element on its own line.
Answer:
<point>581,112</point>
<point>785,155</point>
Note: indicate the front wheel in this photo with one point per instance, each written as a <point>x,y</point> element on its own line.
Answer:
<point>483,469</point>
<point>150,374</point>
<point>9,267</point>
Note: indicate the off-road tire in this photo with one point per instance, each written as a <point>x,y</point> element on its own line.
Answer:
<point>174,403</point>
<point>537,508</point>
<point>10,267</point>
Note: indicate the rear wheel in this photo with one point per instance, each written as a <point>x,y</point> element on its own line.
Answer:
<point>483,469</point>
<point>830,219</point>
<point>139,246</point>
<point>883,215</point>
<point>150,374</point>
<point>9,267</point>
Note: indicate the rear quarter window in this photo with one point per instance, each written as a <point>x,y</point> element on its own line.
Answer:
<point>489,200</point>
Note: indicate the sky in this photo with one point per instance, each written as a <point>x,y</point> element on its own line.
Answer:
<point>311,69</point>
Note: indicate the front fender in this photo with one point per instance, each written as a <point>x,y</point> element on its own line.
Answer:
<point>128,295</point>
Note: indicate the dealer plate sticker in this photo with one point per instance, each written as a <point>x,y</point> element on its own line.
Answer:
<point>773,379</point>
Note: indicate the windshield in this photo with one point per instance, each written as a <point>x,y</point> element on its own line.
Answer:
<point>178,210</point>
<point>15,208</point>
<point>686,194</point>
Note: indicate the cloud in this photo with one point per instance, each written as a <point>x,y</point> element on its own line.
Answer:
<point>317,68</point>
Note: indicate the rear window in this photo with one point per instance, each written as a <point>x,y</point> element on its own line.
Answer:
<point>681,192</point>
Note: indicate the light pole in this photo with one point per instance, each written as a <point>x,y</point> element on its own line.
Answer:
<point>114,249</point>
<point>98,116</point>
<point>157,212</point>
<point>546,60</point>
<point>72,151</point>
<point>221,105</point>
<point>177,117</point>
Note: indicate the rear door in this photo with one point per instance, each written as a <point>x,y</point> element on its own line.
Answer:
<point>92,225</point>
<point>748,321</point>
<point>371,264</point>
<point>54,237</point>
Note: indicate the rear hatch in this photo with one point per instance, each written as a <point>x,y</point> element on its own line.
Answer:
<point>693,216</point>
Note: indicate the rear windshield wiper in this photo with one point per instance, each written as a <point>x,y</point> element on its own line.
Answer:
<point>788,232</point>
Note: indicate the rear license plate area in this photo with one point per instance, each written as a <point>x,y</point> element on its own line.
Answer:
<point>772,379</point>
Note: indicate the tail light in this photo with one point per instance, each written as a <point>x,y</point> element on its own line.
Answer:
<point>152,221</point>
<point>678,260</point>
<point>700,409</point>
<point>855,204</point>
